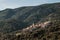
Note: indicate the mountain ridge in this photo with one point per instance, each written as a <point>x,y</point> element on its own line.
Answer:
<point>16,19</point>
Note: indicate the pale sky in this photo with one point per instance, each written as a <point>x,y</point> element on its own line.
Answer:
<point>19,3</point>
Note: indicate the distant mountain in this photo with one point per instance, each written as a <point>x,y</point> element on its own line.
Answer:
<point>19,18</point>
<point>40,22</point>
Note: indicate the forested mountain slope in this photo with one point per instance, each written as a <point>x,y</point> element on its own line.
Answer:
<point>19,18</point>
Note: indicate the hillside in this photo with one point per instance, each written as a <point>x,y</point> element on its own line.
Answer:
<point>40,22</point>
<point>50,30</point>
<point>19,18</point>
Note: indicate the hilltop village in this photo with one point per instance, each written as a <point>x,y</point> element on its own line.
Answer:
<point>34,26</point>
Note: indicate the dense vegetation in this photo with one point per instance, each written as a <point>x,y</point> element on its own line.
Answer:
<point>12,21</point>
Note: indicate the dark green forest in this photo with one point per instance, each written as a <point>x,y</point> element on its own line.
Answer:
<point>12,21</point>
